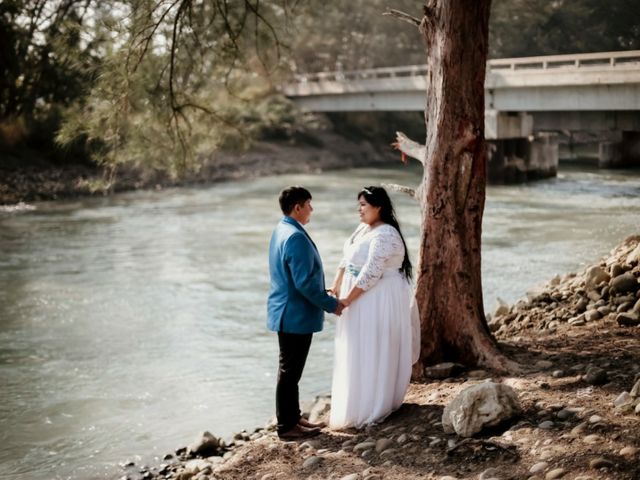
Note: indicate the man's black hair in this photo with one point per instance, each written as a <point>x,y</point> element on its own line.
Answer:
<point>292,196</point>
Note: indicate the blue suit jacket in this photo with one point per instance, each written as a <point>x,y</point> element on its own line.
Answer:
<point>297,297</point>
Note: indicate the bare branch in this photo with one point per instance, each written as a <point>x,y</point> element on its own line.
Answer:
<point>405,17</point>
<point>409,148</point>
<point>400,188</point>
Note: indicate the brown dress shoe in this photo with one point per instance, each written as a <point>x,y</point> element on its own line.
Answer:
<point>306,423</point>
<point>298,432</point>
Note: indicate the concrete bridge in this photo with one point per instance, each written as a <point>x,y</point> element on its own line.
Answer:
<point>528,100</point>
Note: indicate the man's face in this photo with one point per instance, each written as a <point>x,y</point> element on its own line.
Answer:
<point>304,212</point>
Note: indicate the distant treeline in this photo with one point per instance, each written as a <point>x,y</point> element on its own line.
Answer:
<point>164,84</point>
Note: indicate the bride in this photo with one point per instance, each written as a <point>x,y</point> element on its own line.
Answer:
<point>373,343</point>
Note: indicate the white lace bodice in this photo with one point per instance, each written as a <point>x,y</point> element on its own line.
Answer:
<point>369,253</point>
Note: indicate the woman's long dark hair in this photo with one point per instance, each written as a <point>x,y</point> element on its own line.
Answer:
<point>378,197</point>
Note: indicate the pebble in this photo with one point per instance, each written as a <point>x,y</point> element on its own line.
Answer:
<point>268,476</point>
<point>311,462</point>
<point>555,473</point>
<point>565,414</point>
<point>448,477</point>
<point>600,462</point>
<point>544,364</point>
<point>388,452</point>
<point>351,476</point>
<point>364,446</point>
<point>558,374</point>
<point>402,438</point>
<point>546,425</point>
<point>383,444</point>
<point>595,376</point>
<point>592,439</point>
<point>623,399</point>
<point>538,468</point>
<point>488,474</point>
<point>628,451</point>
<point>595,419</point>
<point>546,455</point>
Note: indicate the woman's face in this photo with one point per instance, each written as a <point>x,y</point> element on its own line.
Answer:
<point>368,213</point>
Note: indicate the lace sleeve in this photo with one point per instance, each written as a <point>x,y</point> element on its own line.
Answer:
<point>383,246</point>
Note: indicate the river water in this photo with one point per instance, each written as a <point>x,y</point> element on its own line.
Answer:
<point>130,324</point>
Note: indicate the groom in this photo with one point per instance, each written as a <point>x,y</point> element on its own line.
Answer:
<point>295,306</point>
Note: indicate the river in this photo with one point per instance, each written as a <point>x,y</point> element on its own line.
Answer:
<point>129,324</point>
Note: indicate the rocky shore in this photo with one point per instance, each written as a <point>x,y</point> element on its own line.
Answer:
<point>40,180</point>
<point>572,412</point>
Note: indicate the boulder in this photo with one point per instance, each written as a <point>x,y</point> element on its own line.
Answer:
<point>594,276</point>
<point>484,405</point>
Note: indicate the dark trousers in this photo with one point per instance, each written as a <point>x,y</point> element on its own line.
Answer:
<point>293,355</point>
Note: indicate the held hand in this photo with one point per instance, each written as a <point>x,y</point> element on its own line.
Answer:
<point>340,308</point>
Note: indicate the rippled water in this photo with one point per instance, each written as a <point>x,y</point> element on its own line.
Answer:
<point>129,324</point>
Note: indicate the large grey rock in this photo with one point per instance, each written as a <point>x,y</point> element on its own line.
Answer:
<point>624,283</point>
<point>205,446</point>
<point>484,405</point>
<point>594,276</point>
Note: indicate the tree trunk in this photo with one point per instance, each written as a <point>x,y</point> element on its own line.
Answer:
<point>449,287</point>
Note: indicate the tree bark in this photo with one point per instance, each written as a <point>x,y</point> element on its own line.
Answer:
<point>449,286</point>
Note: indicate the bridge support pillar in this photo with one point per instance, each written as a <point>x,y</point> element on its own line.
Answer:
<point>517,160</point>
<point>623,153</point>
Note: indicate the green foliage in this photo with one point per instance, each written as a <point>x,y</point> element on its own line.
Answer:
<point>162,84</point>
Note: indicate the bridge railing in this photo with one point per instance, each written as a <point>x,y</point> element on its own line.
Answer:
<point>574,61</point>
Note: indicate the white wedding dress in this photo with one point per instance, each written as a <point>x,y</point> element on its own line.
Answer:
<point>373,343</point>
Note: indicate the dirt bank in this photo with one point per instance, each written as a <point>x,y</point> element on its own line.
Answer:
<point>45,181</point>
<point>576,340</point>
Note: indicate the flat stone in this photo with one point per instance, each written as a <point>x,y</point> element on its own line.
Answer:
<point>600,462</point>
<point>555,473</point>
<point>538,468</point>
<point>546,425</point>
<point>595,419</point>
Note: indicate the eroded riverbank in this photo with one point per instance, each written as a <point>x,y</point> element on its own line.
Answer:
<point>575,339</point>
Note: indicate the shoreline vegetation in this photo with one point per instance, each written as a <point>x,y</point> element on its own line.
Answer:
<point>575,339</point>
<point>41,180</point>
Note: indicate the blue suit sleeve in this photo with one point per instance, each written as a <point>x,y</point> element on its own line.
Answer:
<point>308,280</point>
